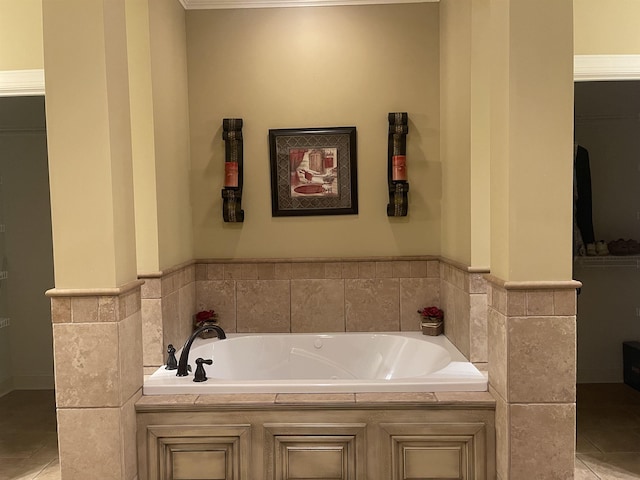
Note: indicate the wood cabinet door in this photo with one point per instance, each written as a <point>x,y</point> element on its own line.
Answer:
<point>315,451</point>
<point>190,452</point>
<point>433,451</point>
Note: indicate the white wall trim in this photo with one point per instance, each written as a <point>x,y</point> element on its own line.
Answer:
<point>227,4</point>
<point>589,68</point>
<point>15,83</point>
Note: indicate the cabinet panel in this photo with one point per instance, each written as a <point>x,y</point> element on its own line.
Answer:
<point>316,451</point>
<point>317,460</point>
<point>433,451</point>
<point>200,465</point>
<point>190,452</point>
<point>438,462</point>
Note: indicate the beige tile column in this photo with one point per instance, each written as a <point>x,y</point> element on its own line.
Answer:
<point>532,371</point>
<point>96,299</point>
<point>98,370</point>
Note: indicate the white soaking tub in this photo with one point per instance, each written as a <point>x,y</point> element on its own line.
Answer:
<point>323,363</point>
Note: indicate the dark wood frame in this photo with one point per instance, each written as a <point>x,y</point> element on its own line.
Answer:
<point>282,141</point>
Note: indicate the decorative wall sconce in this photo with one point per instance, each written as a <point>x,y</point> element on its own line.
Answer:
<point>232,192</point>
<point>397,165</point>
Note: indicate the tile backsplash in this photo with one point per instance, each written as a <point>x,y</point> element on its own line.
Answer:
<point>321,296</point>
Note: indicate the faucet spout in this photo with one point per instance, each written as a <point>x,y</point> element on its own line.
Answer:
<point>184,356</point>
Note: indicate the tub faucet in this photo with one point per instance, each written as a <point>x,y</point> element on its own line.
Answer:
<point>184,356</point>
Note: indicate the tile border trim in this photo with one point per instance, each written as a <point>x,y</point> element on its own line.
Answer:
<point>463,266</point>
<point>533,284</point>
<point>94,292</point>
<point>317,259</point>
<point>168,271</point>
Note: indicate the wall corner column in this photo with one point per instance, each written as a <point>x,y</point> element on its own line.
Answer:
<point>95,304</point>
<point>531,297</point>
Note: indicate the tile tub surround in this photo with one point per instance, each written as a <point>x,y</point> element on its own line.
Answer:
<point>328,295</point>
<point>168,305</point>
<point>463,297</point>
<point>532,371</point>
<point>314,295</point>
<point>97,336</point>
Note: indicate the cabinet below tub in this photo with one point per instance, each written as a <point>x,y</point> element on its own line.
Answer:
<point>337,437</point>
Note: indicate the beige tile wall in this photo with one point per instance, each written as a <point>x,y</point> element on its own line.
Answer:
<point>168,305</point>
<point>464,300</point>
<point>532,362</point>
<point>320,296</point>
<point>98,369</point>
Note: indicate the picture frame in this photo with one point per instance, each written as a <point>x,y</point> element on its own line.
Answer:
<point>313,171</point>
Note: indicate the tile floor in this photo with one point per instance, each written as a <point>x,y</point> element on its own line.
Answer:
<point>608,434</point>
<point>28,443</point>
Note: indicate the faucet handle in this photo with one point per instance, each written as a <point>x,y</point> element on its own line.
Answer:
<point>172,363</point>
<point>201,375</point>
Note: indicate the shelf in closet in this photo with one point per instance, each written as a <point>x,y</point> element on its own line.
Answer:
<point>608,261</point>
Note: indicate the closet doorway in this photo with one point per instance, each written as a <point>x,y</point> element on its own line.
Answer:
<point>607,125</point>
<point>26,247</point>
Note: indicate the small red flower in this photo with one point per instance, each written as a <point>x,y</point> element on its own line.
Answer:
<point>206,315</point>
<point>432,312</point>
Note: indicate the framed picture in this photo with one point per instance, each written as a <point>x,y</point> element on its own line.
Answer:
<point>313,171</point>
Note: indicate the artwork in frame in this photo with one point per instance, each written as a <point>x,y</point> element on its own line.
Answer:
<point>313,171</point>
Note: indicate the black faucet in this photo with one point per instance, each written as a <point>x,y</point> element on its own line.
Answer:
<point>184,356</point>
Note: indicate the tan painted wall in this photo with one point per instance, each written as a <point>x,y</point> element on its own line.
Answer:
<point>465,132</point>
<point>142,136</point>
<point>531,142</point>
<point>606,27</point>
<point>88,128</point>
<point>171,130</point>
<point>310,67</point>
<point>480,138</point>
<point>21,35</point>
<point>455,135</point>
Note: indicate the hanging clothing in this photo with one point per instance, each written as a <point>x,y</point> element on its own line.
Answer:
<point>582,195</point>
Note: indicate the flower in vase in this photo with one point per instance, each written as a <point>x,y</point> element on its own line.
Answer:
<point>205,316</point>
<point>431,314</point>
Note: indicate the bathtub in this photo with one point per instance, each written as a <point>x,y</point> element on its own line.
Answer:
<point>323,363</point>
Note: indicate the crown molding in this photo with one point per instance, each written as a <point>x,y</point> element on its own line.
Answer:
<point>15,83</point>
<point>589,68</point>
<point>228,4</point>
